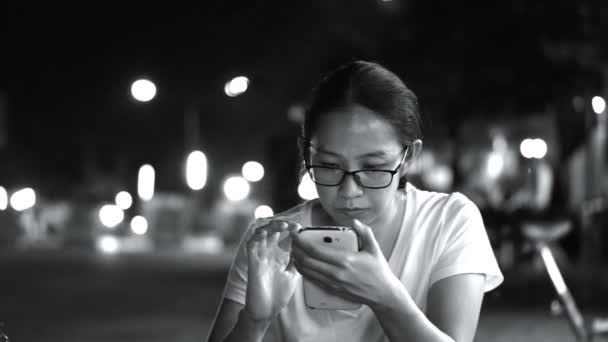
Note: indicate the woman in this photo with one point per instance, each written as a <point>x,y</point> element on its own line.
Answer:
<point>425,259</point>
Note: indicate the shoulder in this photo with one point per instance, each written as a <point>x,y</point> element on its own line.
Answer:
<point>461,218</point>
<point>436,202</point>
<point>459,204</point>
<point>441,211</point>
<point>448,202</point>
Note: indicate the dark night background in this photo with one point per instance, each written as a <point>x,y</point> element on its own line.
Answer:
<point>67,70</point>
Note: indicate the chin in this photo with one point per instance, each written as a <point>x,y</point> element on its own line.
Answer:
<point>347,219</point>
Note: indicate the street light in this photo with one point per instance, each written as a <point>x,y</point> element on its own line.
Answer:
<point>533,148</point>
<point>599,104</point>
<point>124,200</point>
<point>236,188</point>
<point>139,225</point>
<point>541,148</point>
<point>236,86</point>
<point>111,215</point>
<point>253,171</point>
<point>143,90</point>
<point>23,199</point>
<point>145,182</point>
<point>196,170</point>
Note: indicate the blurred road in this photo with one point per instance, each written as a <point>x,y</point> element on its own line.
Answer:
<point>78,296</point>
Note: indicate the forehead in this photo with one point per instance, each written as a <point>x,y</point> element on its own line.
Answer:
<point>355,130</point>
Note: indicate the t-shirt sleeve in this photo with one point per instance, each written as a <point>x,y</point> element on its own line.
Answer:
<point>464,246</point>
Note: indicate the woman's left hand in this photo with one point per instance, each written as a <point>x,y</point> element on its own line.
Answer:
<point>362,277</point>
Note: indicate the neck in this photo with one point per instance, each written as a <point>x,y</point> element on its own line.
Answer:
<point>384,223</point>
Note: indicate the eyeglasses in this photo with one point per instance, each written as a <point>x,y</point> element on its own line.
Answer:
<point>371,179</point>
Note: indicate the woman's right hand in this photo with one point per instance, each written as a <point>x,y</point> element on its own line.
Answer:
<point>271,275</point>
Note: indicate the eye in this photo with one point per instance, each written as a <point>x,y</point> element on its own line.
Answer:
<point>332,165</point>
<point>374,166</point>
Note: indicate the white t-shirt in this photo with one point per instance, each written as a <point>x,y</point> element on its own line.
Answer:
<point>441,235</point>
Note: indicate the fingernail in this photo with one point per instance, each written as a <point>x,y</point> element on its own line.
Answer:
<point>357,222</point>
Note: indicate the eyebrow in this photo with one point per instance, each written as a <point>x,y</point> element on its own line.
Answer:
<point>320,149</point>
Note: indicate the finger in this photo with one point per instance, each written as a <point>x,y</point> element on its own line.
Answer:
<point>253,244</point>
<point>252,248</point>
<point>366,234</point>
<point>280,225</point>
<point>328,284</point>
<point>291,265</point>
<point>273,239</point>
<point>283,227</point>
<point>263,242</point>
<point>286,227</point>
<point>277,226</point>
<point>292,226</point>
<point>317,278</point>
<point>269,228</point>
<point>258,242</point>
<point>330,255</point>
<point>304,260</point>
<point>257,235</point>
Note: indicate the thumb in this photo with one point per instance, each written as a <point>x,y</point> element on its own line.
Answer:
<point>368,240</point>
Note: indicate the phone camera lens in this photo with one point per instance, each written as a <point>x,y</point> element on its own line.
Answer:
<point>327,239</point>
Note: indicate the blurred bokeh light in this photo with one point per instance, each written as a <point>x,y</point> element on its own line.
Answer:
<point>23,199</point>
<point>263,211</point>
<point>196,170</point>
<point>253,171</point>
<point>307,189</point>
<point>108,244</point>
<point>495,164</point>
<point>143,90</point>
<point>124,200</point>
<point>533,148</point>
<point>236,86</point>
<point>599,104</point>
<point>145,182</point>
<point>3,198</point>
<point>236,188</point>
<point>139,225</point>
<point>111,215</point>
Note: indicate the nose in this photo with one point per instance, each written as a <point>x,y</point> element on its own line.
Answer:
<point>349,187</point>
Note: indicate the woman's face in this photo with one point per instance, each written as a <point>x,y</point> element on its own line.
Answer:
<point>356,138</point>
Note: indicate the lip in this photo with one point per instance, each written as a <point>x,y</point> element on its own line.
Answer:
<point>352,210</point>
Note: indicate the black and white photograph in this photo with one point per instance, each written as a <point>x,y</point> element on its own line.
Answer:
<point>365,171</point>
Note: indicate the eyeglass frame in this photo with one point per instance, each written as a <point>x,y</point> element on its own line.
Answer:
<point>354,173</point>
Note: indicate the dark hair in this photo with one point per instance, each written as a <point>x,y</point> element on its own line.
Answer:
<point>369,85</point>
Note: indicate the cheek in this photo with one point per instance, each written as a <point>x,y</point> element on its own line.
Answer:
<point>379,199</point>
<point>327,195</point>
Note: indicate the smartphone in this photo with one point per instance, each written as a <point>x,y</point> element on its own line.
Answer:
<point>344,238</point>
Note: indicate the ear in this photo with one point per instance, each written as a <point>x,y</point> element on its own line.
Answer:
<point>412,155</point>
